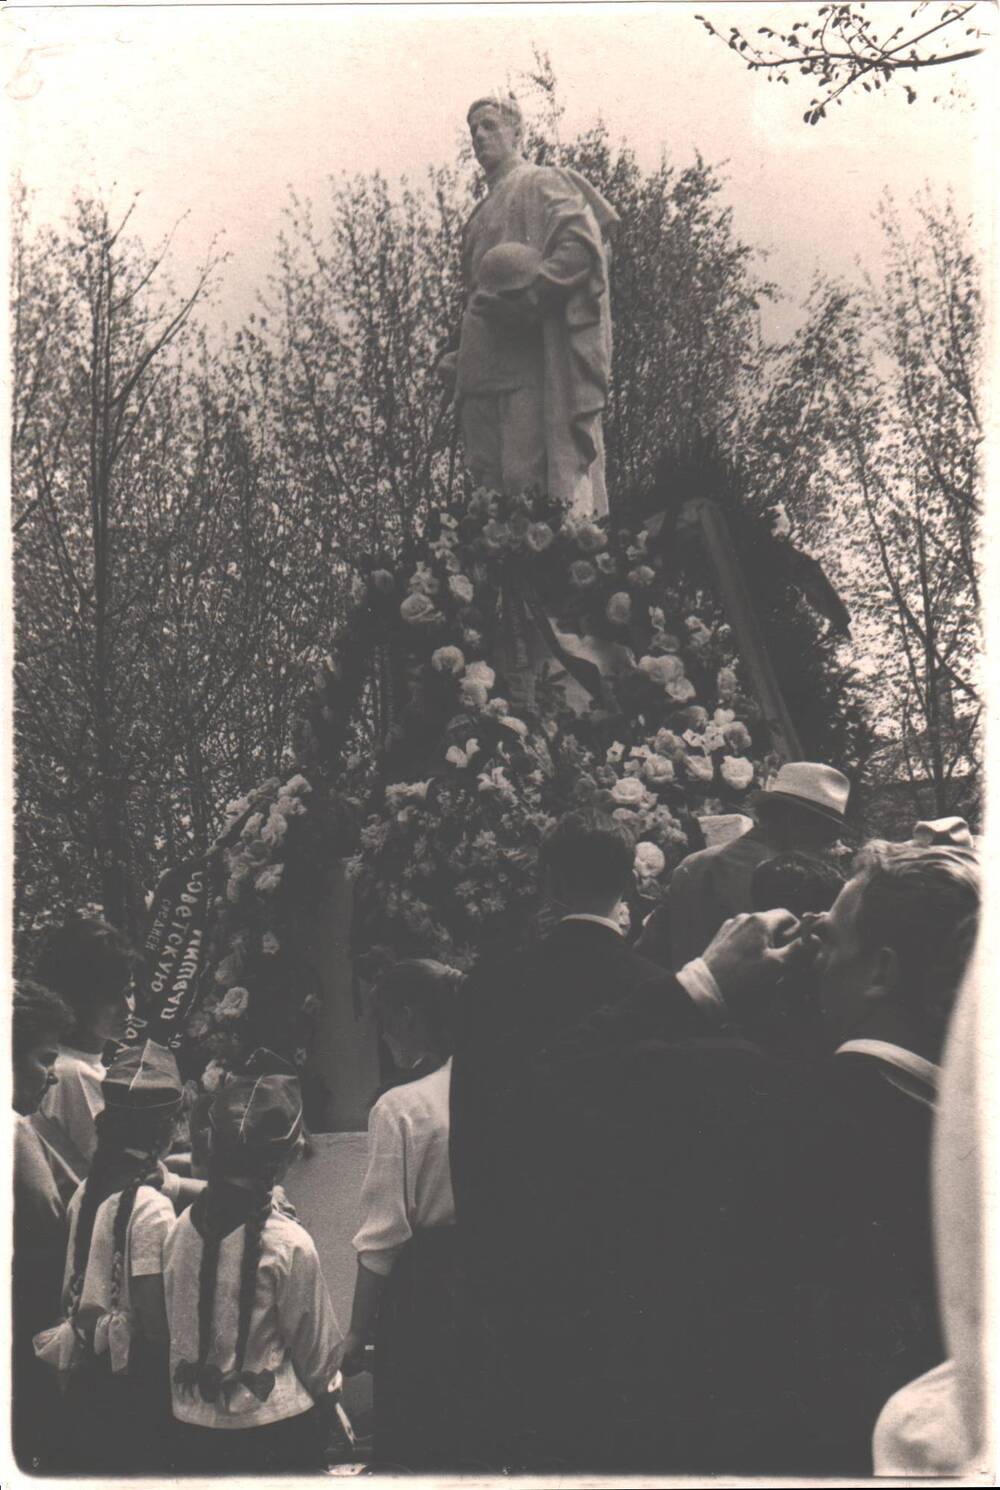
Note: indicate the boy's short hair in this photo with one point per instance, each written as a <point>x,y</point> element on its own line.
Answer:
<point>923,903</point>
<point>592,854</point>
<point>87,962</point>
<point>39,1015</point>
<point>796,882</point>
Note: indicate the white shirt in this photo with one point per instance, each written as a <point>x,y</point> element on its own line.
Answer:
<point>408,1183</point>
<point>293,1329</point>
<point>75,1100</point>
<point>151,1219</point>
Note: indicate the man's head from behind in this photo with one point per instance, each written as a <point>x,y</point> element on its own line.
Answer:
<point>796,882</point>
<point>897,941</point>
<point>586,861</point>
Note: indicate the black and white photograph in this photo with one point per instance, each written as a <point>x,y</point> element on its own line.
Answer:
<point>497,582</point>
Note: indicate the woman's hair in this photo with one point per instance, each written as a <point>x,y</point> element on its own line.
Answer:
<point>39,1015</point>
<point>118,1129</point>
<point>87,962</point>
<point>429,986</point>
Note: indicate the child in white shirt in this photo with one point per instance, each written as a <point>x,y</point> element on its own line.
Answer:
<point>112,1343</point>
<point>254,1342</point>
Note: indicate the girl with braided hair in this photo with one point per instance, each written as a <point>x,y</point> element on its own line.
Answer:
<point>254,1341</point>
<point>111,1347</point>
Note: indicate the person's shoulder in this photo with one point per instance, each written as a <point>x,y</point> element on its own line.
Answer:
<point>288,1240</point>
<point>151,1202</point>
<point>414,1098</point>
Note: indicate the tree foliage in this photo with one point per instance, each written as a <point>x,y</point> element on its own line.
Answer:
<point>841,48</point>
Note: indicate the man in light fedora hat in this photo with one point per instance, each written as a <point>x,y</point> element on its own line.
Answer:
<point>802,809</point>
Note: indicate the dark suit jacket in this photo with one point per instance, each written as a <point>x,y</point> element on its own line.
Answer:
<point>583,973</point>
<point>876,1312</point>
<point>742,1242</point>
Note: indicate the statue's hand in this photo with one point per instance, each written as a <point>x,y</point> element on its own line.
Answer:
<point>513,308</point>
<point>446,370</point>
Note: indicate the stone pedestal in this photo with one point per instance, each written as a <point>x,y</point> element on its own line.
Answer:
<point>346,1050</point>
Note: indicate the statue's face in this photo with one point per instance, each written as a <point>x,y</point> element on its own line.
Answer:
<point>494,137</point>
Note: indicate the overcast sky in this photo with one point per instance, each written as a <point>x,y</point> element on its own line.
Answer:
<point>215,110</point>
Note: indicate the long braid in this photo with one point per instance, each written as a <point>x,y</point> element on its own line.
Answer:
<point>150,1174</point>
<point>263,1192</point>
<point>204,1216</point>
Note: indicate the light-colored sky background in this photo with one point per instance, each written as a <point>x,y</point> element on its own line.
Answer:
<point>214,110</point>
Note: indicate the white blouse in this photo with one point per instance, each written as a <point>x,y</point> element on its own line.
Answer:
<point>408,1183</point>
<point>293,1329</point>
<point>151,1219</point>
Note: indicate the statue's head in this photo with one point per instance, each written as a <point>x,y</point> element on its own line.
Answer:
<point>496,125</point>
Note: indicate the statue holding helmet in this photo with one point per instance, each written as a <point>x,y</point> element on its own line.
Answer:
<point>532,368</point>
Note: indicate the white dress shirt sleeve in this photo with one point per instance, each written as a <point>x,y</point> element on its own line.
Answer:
<point>701,988</point>
<point>385,1227</point>
<point>309,1325</point>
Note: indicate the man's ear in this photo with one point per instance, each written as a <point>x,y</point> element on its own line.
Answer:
<point>885,974</point>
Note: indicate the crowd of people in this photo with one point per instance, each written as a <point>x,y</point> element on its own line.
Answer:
<point>658,1209</point>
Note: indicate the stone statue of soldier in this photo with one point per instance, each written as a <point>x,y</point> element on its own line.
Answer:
<point>534,359</point>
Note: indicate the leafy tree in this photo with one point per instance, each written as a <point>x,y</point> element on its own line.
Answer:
<point>841,48</point>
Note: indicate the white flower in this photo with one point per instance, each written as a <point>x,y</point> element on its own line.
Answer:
<point>423,582</point>
<point>738,736</point>
<point>472,638</point>
<point>605,563</point>
<point>619,608</point>
<point>615,753</point>
<point>726,682</point>
<point>197,1026</point>
<point>666,742</point>
<point>658,770</point>
<point>699,767</point>
<point>582,573</point>
<point>780,524</point>
<point>591,538</point>
<point>417,608</point>
<point>539,536</point>
<point>481,672</point>
<point>213,1075</point>
<point>294,784</point>
<point>252,826</point>
<point>497,708</point>
<point>405,791</point>
<point>461,588</point>
<point>268,879</point>
<point>681,690</point>
<point>474,695</point>
<point>642,577</point>
<point>737,772</point>
<point>713,738</point>
<point>456,756</point>
<point>656,618</point>
<point>233,1004</point>
<point>275,828</point>
<point>649,860</point>
<point>628,792</point>
<point>448,660</point>
<point>662,670</point>
<point>228,970</point>
<point>724,716</point>
<point>623,916</point>
<point>269,944</point>
<point>509,721</point>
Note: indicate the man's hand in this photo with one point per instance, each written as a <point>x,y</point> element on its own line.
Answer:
<point>748,954</point>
